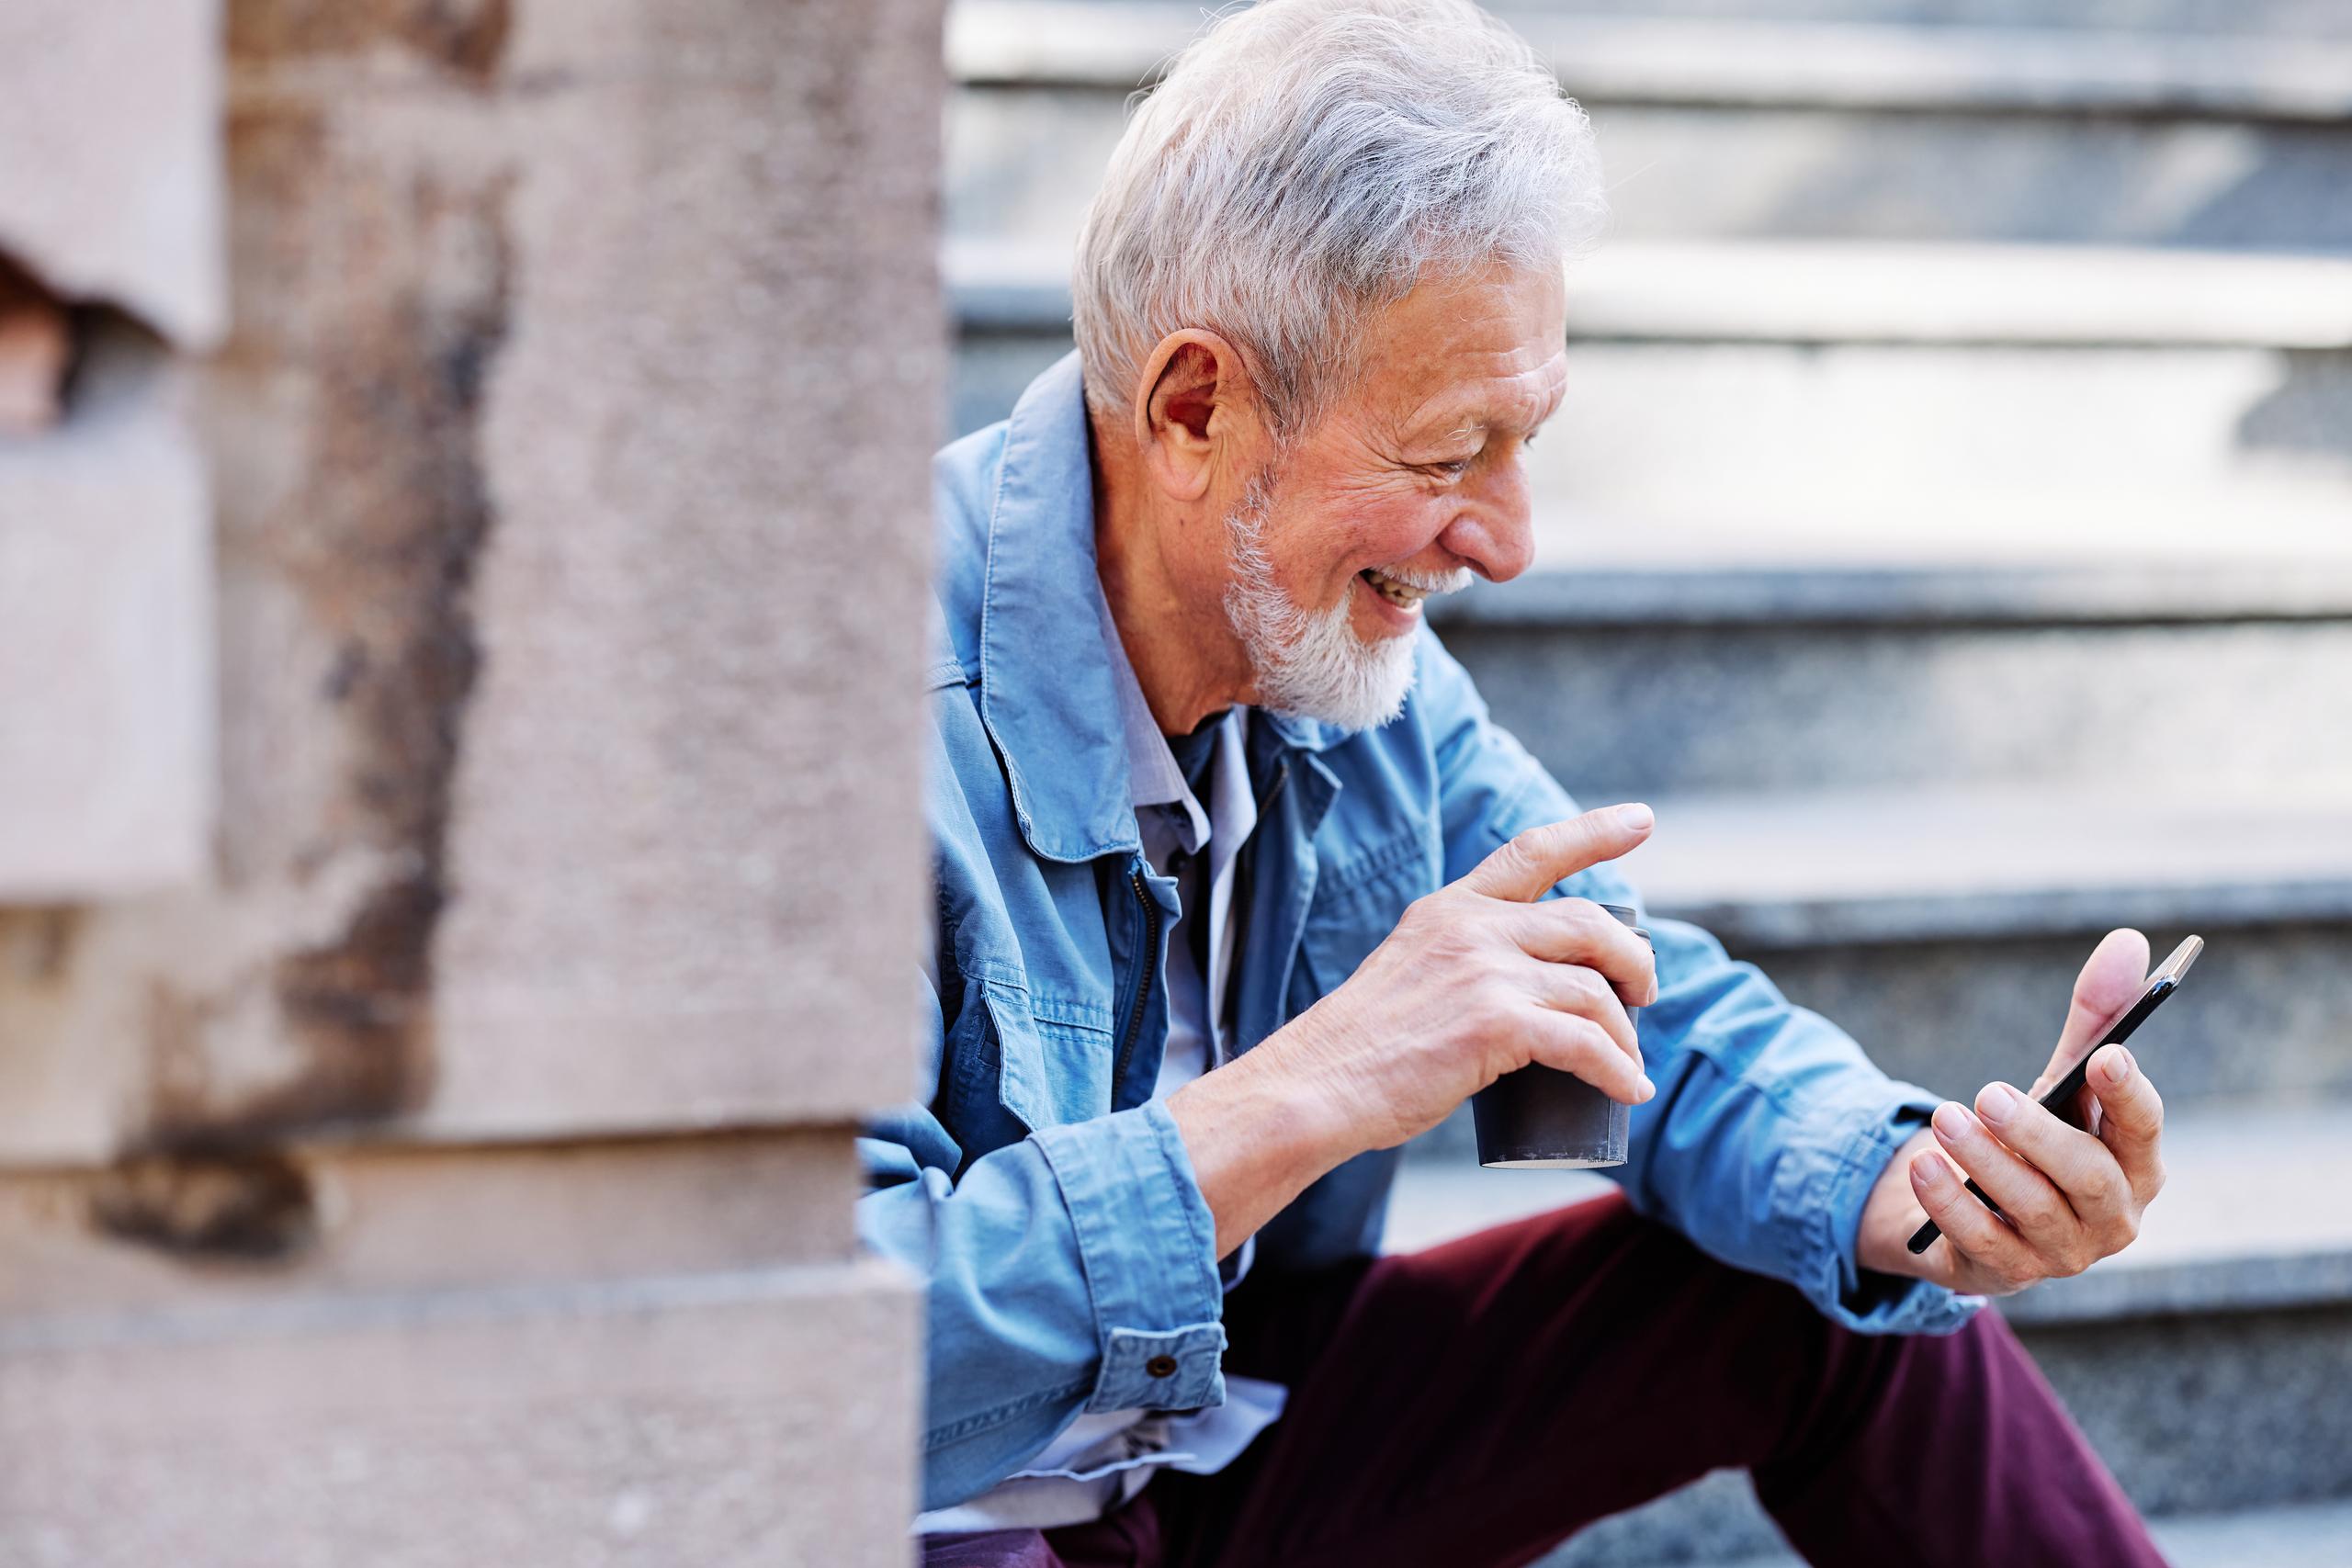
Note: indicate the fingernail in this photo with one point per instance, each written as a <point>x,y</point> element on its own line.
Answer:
<point>1950,1121</point>
<point>1931,1171</point>
<point>2120,1066</point>
<point>1997,1103</point>
<point>1636,816</point>
<point>1649,1090</point>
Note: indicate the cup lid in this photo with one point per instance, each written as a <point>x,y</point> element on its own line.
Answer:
<point>1627,915</point>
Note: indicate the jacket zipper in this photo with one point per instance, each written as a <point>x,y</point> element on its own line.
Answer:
<point>1143,985</point>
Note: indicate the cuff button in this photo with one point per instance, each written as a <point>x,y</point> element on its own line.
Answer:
<point>1162,1366</point>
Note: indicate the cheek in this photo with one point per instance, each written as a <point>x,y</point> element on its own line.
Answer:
<point>1365,528</point>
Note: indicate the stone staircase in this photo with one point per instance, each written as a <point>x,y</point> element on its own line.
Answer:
<point>1949,531</point>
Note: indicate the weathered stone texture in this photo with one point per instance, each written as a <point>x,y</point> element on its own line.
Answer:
<point>168,1230</point>
<point>687,848</point>
<point>459,1169</point>
<point>35,344</point>
<point>700,1420</point>
<point>568,446</point>
<point>388,40</point>
<point>110,190</point>
<point>340,418</point>
<point>109,234</point>
<point>105,627</point>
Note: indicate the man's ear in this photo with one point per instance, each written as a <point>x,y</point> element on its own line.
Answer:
<point>1197,411</point>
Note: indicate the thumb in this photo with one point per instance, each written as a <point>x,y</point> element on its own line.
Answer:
<point>2111,977</point>
<point>1525,868</point>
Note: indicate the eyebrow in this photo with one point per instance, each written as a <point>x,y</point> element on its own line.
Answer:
<point>1474,424</point>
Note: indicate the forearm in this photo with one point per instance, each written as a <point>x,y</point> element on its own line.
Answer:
<point>1258,1131</point>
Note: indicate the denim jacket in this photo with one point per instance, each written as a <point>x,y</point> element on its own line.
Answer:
<point>1043,1195</point>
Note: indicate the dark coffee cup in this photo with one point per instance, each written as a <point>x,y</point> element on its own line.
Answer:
<point>1543,1119</point>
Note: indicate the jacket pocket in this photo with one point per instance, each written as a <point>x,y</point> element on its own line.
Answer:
<point>1040,1063</point>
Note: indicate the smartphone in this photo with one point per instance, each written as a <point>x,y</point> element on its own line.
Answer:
<point>2060,1101</point>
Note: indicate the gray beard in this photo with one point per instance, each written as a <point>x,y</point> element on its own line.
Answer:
<point>1308,663</point>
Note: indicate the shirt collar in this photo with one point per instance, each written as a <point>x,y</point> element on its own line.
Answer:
<point>1153,776</point>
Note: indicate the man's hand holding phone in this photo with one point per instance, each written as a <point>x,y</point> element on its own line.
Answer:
<point>2068,1195</point>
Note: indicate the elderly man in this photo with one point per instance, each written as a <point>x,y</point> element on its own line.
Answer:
<point>1238,889</point>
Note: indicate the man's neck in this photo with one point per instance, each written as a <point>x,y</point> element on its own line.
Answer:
<point>1186,658</point>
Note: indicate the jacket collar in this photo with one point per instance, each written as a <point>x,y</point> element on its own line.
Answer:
<point>1047,688</point>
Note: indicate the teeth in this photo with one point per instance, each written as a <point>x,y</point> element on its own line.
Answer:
<point>1403,595</point>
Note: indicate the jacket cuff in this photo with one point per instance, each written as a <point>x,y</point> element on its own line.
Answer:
<point>1822,1185</point>
<point>1147,1244</point>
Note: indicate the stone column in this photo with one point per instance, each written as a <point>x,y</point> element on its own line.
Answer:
<point>441,1152</point>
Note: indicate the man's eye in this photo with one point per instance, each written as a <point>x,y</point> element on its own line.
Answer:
<point>1452,469</point>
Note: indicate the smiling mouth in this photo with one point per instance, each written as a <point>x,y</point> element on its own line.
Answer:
<point>1403,595</point>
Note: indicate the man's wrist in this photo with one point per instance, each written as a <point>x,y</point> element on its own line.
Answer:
<point>1326,1122</point>
<point>1890,1214</point>
<point>1258,1131</point>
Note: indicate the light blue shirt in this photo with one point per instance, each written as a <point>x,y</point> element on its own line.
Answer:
<point>1036,1183</point>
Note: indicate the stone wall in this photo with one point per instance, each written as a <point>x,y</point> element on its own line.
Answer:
<point>439,985</point>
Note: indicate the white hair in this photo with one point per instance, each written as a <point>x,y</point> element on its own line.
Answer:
<point>1301,166</point>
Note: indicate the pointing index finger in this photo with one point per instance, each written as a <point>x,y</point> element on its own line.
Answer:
<point>1526,868</point>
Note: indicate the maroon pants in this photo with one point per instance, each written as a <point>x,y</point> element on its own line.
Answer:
<point>1477,1403</point>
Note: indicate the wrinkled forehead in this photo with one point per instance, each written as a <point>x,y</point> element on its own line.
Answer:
<point>1458,355</point>
<point>1489,396</point>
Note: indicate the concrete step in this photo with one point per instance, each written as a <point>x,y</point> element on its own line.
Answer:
<point>1023,165</point>
<point>1758,125</point>
<point>1819,292</point>
<point>2296,1535</point>
<point>2269,18</point>
<point>1714,162</point>
<point>1792,61</point>
<point>1772,403</point>
<point>2256,1216</point>
<point>2202,1363</point>
<point>2183,677</point>
<point>1944,931</point>
<point>2291,1535</point>
<point>1766,453</point>
<point>1881,868</point>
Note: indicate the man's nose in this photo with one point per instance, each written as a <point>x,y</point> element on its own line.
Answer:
<point>1496,531</point>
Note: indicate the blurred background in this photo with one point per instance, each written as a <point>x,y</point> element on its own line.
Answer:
<point>1948,529</point>
<point>459,771</point>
